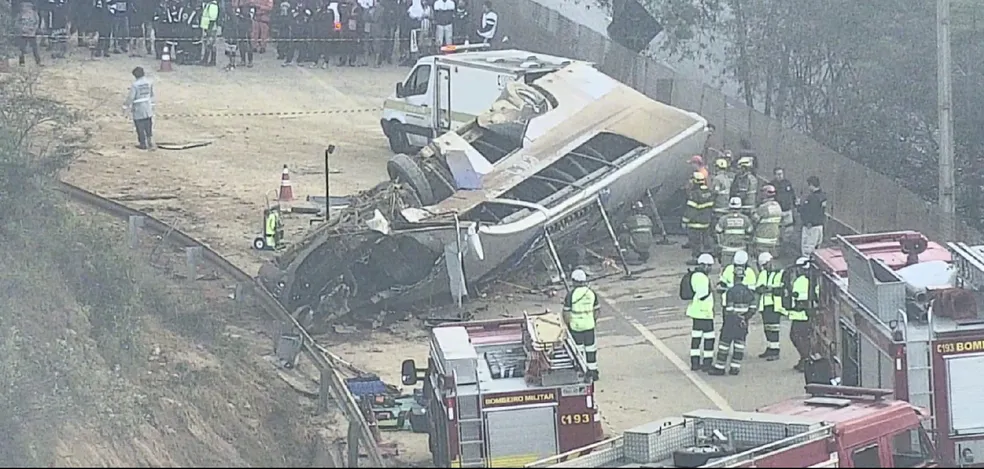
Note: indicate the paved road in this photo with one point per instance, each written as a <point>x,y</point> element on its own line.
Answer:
<point>644,353</point>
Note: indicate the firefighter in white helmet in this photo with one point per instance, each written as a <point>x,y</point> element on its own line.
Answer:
<point>745,185</point>
<point>581,309</point>
<point>739,306</point>
<point>734,230</point>
<point>695,287</point>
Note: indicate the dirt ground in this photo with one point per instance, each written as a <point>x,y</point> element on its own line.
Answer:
<point>218,190</point>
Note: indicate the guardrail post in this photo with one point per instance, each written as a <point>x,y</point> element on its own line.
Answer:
<point>353,444</point>
<point>193,256</point>
<point>324,393</point>
<point>289,346</point>
<point>134,226</point>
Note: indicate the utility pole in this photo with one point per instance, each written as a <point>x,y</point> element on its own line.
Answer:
<point>945,103</point>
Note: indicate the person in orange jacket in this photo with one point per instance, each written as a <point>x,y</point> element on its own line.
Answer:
<point>697,162</point>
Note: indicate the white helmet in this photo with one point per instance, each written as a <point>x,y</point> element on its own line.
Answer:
<point>734,202</point>
<point>579,276</point>
<point>705,259</point>
<point>741,258</point>
<point>765,258</point>
<point>802,262</point>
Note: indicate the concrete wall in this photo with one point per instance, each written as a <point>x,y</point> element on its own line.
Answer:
<point>860,198</point>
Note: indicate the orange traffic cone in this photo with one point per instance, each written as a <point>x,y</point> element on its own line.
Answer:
<point>286,191</point>
<point>166,58</point>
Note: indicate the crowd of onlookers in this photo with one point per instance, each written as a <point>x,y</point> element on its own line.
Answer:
<point>309,32</point>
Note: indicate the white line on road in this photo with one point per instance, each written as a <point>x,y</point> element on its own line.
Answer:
<point>684,368</point>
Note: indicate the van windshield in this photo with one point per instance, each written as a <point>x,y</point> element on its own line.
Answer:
<point>911,448</point>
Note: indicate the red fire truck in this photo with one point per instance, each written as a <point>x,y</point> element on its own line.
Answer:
<point>836,426</point>
<point>504,393</point>
<point>898,311</point>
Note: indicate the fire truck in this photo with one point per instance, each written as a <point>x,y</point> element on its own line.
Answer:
<point>898,311</point>
<point>504,393</point>
<point>835,426</point>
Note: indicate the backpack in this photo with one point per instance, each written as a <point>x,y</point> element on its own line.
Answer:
<point>686,289</point>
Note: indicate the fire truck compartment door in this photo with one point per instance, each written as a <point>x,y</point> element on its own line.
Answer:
<point>520,436</point>
<point>965,376</point>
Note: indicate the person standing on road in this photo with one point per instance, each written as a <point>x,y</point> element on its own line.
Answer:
<point>812,212</point>
<point>696,287</point>
<point>768,286</point>
<point>734,231</point>
<point>739,307</point>
<point>745,185</point>
<point>721,185</point>
<point>697,216</point>
<point>444,11</point>
<point>786,196</point>
<point>768,222</point>
<point>581,308</point>
<point>489,25</point>
<point>26,28</point>
<point>797,299</point>
<point>140,103</point>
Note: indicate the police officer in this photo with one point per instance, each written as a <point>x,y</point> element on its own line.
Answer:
<point>190,43</point>
<point>739,306</point>
<point>797,304</point>
<point>734,230</point>
<point>638,232</point>
<point>721,185</point>
<point>273,231</point>
<point>745,185</point>
<point>102,22</point>
<point>697,216</point>
<point>701,312</point>
<point>166,21</point>
<point>769,289</point>
<point>245,21</point>
<point>581,309</point>
<point>768,222</point>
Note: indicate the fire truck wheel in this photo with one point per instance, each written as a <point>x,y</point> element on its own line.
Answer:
<point>402,168</point>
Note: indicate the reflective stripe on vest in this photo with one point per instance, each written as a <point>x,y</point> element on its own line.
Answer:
<point>582,309</point>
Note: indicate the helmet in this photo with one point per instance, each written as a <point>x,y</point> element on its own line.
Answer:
<point>705,259</point>
<point>637,205</point>
<point>765,258</point>
<point>698,176</point>
<point>579,276</point>
<point>769,190</point>
<point>802,262</point>
<point>744,162</point>
<point>741,258</point>
<point>734,202</point>
<point>697,159</point>
<point>722,163</point>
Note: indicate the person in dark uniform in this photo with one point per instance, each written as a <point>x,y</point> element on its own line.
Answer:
<point>739,307</point>
<point>280,28</point>
<point>119,11</point>
<point>324,32</point>
<point>351,13</point>
<point>293,35</point>
<point>191,34</point>
<point>102,22</point>
<point>308,52</point>
<point>167,20</point>
<point>79,12</point>
<point>462,22</point>
<point>244,23</point>
<point>59,28</point>
<point>637,233</point>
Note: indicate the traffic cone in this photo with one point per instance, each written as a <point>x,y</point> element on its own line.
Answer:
<point>166,58</point>
<point>286,191</point>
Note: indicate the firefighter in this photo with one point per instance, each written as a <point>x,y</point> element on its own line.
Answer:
<point>721,185</point>
<point>731,272</point>
<point>768,222</point>
<point>768,286</point>
<point>273,231</point>
<point>797,303</point>
<point>697,217</point>
<point>745,184</point>
<point>739,306</point>
<point>697,162</point>
<point>734,230</point>
<point>581,309</point>
<point>701,312</point>
<point>637,233</point>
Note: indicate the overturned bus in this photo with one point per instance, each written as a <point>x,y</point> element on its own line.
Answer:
<point>539,169</point>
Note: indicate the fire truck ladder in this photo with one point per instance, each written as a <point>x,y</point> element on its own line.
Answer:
<point>471,431</point>
<point>920,364</point>
<point>969,262</point>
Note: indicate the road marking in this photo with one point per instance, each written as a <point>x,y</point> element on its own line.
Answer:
<point>684,368</point>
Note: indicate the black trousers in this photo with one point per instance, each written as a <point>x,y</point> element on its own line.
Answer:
<point>702,331</point>
<point>799,335</point>
<point>585,341</point>
<point>734,331</point>
<point>25,42</point>
<point>246,51</point>
<point>145,130</point>
<point>770,321</point>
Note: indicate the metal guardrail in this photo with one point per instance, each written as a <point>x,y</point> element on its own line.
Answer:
<point>332,383</point>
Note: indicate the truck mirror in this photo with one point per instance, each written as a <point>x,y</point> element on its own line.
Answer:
<point>399,90</point>
<point>408,373</point>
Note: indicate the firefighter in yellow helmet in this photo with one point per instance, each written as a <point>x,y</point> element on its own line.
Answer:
<point>745,185</point>
<point>721,185</point>
<point>697,216</point>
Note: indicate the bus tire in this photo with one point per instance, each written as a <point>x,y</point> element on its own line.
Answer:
<point>397,137</point>
<point>402,168</point>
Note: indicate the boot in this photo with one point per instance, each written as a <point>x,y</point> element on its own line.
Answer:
<point>715,371</point>
<point>708,364</point>
<point>694,363</point>
<point>593,375</point>
<point>734,371</point>
<point>800,366</point>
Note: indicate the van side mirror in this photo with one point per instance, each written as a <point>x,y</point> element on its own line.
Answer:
<point>399,90</point>
<point>408,373</point>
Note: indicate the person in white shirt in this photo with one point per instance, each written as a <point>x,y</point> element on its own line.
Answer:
<point>444,11</point>
<point>490,22</point>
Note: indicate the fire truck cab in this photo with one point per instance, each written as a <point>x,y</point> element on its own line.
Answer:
<point>503,393</point>
<point>898,311</point>
<point>835,426</point>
